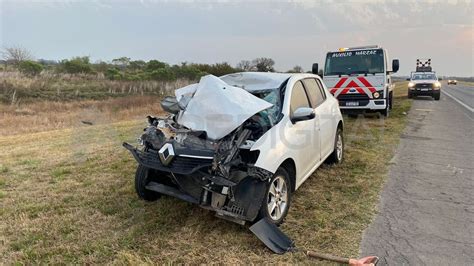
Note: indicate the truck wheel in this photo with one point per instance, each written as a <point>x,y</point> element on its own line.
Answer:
<point>277,199</point>
<point>385,112</point>
<point>436,97</point>
<point>410,94</point>
<point>337,154</point>
<point>142,178</point>
<point>391,100</point>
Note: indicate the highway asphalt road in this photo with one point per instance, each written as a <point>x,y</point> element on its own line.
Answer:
<point>426,211</point>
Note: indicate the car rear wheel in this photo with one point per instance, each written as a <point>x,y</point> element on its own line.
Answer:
<point>277,198</point>
<point>337,155</point>
<point>142,178</point>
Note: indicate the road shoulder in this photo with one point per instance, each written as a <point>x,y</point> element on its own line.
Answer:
<point>426,206</point>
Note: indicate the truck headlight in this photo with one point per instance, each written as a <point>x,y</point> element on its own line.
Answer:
<point>411,84</point>
<point>437,84</point>
<point>376,95</point>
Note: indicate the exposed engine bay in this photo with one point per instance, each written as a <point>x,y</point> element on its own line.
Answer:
<point>201,151</point>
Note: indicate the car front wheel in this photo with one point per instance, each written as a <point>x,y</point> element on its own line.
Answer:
<point>142,178</point>
<point>277,198</point>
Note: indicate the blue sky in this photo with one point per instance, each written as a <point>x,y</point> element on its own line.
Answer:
<point>290,32</point>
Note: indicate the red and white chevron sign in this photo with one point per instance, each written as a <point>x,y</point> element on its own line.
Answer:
<point>359,84</point>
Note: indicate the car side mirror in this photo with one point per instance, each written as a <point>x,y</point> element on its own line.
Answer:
<point>408,79</point>
<point>302,114</point>
<point>395,65</point>
<point>315,69</point>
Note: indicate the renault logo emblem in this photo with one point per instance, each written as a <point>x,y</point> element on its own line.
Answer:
<point>166,154</point>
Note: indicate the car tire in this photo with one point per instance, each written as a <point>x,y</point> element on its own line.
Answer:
<point>437,97</point>
<point>273,202</point>
<point>410,94</point>
<point>142,178</point>
<point>337,154</point>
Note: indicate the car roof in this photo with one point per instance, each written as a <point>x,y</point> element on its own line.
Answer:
<point>255,81</point>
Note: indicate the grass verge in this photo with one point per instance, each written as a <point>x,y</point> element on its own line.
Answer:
<point>67,196</point>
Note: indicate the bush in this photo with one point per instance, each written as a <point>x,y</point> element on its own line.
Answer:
<point>30,68</point>
<point>113,74</point>
<point>154,65</point>
<point>137,65</point>
<point>218,69</point>
<point>163,74</point>
<point>77,65</point>
<point>188,72</point>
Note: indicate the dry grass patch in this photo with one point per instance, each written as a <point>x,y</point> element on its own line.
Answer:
<point>47,115</point>
<point>67,196</point>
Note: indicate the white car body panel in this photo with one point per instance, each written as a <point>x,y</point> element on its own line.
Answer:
<point>308,143</point>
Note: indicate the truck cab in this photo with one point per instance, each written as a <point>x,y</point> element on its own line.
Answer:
<point>360,78</point>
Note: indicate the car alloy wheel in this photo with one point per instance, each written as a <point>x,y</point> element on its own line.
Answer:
<point>277,199</point>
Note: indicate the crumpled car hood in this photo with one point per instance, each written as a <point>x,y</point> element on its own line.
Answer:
<point>217,107</point>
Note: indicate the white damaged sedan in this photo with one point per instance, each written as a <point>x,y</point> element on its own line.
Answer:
<point>241,144</point>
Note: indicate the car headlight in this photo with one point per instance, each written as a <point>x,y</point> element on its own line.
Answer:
<point>376,95</point>
<point>437,84</point>
<point>411,84</point>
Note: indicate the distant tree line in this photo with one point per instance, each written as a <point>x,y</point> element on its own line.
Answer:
<point>124,68</point>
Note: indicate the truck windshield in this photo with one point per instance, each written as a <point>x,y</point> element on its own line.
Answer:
<point>423,76</point>
<point>355,62</point>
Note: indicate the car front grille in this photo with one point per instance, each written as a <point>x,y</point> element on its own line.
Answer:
<point>362,99</point>
<point>179,164</point>
<point>353,97</point>
<point>423,85</point>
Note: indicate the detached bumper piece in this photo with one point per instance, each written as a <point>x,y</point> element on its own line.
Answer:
<point>171,191</point>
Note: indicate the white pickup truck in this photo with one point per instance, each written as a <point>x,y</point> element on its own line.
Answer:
<point>424,84</point>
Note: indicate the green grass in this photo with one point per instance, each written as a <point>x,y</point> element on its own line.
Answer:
<point>72,200</point>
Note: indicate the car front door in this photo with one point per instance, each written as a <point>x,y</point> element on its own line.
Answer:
<point>302,136</point>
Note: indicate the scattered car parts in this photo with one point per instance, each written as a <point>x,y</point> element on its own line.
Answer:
<point>278,242</point>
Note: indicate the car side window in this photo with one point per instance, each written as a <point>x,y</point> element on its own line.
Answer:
<point>298,98</point>
<point>321,88</point>
<point>314,91</point>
